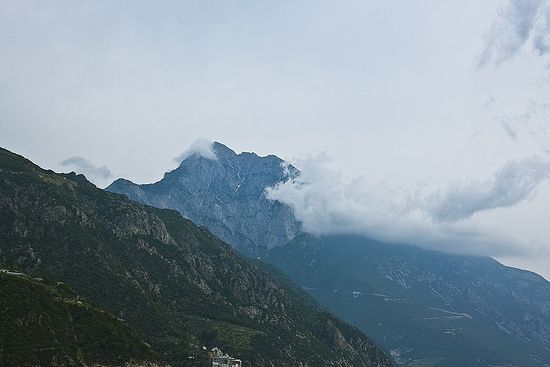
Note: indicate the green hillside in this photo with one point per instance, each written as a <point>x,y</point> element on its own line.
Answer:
<point>45,323</point>
<point>429,309</point>
<point>175,283</point>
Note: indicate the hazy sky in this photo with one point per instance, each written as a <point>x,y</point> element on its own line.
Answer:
<point>446,103</point>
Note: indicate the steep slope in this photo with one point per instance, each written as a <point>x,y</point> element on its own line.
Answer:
<point>177,284</point>
<point>226,195</point>
<point>427,308</point>
<point>45,323</point>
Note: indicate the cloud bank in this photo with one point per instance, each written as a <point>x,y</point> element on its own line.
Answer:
<point>201,147</point>
<point>87,168</point>
<point>328,203</point>
<point>513,183</point>
<point>521,23</point>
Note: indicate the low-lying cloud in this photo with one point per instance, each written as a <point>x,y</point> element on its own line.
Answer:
<point>325,202</point>
<point>521,23</point>
<point>201,147</point>
<point>87,168</point>
<point>513,183</point>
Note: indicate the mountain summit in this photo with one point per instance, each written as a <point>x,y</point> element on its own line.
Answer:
<point>225,193</point>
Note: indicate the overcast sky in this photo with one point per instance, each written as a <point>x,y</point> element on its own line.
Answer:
<point>447,102</point>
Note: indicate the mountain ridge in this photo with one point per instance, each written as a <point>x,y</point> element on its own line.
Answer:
<point>177,284</point>
<point>482,308</point>
<point>234,181</point>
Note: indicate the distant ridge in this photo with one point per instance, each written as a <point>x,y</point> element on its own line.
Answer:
<point>425,307</point>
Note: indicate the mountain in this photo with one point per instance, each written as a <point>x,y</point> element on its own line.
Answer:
<point>175,283</point>
<point>427,308</point>
<point>225,194</point>
<point>44,323</point>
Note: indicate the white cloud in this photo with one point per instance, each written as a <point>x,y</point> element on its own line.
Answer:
<point>328,203</point>
<point>542,37</point>
<point>391,97</point>
<point>533,121</point>
<point>513,183</point>
<point>521,23</point>
<point>201,147</point>
<point>87,168</point>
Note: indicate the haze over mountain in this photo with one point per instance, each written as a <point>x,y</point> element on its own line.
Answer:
<point>428,308</point>
<point>211,176</point>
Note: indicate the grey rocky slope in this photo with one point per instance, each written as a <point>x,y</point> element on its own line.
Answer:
<point>226,195</point>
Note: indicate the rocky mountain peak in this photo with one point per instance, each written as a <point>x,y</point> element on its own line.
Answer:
<point>225,191</point>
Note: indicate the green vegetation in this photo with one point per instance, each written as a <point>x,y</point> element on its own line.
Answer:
<point>43,323</point>
<point>429,308</point>
<point>175,283</point>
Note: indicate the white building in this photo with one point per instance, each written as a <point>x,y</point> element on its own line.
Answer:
<point>223,360</point>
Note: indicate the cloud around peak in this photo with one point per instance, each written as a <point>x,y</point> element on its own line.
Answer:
<point>200,147</point>
<point>91,171</point>
<point>326,202</point>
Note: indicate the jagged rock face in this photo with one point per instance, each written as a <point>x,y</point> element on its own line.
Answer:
<point>226,195</point>
<point>426,307</point>
<point>177,284</point>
